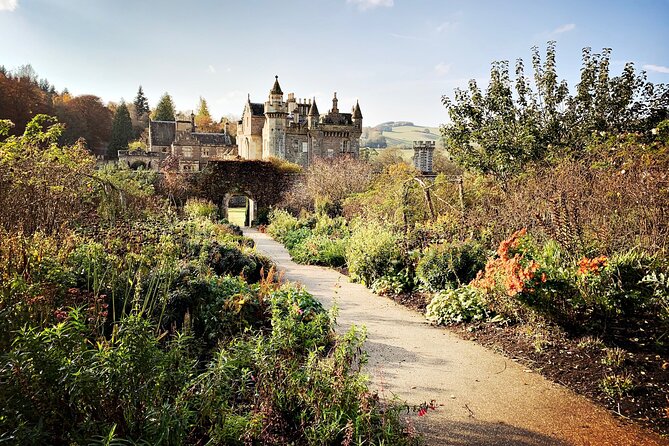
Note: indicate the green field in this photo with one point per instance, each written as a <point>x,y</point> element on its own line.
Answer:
<point>236,216</point>
<point>404,136</point>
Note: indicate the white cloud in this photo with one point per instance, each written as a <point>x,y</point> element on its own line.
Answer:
<point>211,69</point>
<point>364,5</point>
<point>564,28</point>
<point>407,37</point>
<point>446,26</point>
<point>442,68</point>
<point>8,5</point>
<point>656,68</point>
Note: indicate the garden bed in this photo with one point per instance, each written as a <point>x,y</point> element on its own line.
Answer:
<point>583,363</point>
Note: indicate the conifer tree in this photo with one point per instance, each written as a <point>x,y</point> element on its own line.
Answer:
<point>203,119</point>
<point>165,109</point>
<point>141,103</point>
<point>121,131</point>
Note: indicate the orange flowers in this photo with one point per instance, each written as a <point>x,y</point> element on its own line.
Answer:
<point>513,273</point>
<point>587,266</point>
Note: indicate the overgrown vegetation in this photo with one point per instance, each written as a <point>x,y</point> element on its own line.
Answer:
<point>124,322</point>
<point>560,224</point>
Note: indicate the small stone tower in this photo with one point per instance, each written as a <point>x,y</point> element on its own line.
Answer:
<point>274,131</point>
<point>357,115</point>
<point>314,116</point>
<point>423,154</point>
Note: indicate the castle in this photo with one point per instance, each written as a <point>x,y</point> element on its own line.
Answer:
<point>293,130</point>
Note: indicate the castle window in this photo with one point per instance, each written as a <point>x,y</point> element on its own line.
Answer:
<point>187,151</point>
<point>330,153</point>
<point>344,146</point>
<point>205,152</point>
<point>305,147</point>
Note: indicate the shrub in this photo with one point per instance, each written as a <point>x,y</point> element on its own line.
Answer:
<point>295,237</point>
<point>281,223</point>
<point>450,265</point>
<point>319,250</point>
<point>373,251</point>
<point>394,283</point>
<point>58,386</point>
<point>659,282</point>
<point>615,286</point>
<point>198,208</point>
<point>454,306</point>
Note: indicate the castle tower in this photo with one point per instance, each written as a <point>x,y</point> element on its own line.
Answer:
<point>313,116</point>
<point>357,115</point>
<point>423,155</point>
<point>274,130</point>
<point>335,109</point>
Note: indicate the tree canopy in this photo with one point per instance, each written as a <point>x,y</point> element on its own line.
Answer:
<point>141,103</point>
<point>121,131</point>
<point>203,119</point>
<point>513,122</point>
<point>165,109</point>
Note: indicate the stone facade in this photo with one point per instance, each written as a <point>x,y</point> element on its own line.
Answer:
<point>294,129</point>
<point>181,139</point>
<point>423,154</point>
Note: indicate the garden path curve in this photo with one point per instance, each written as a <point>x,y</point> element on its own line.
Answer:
<point>484,398</point>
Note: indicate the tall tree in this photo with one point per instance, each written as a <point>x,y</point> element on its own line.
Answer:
<point>21,98</point>
<point>141,103</point>
<point>85,117</point>
<point>203,119</point>
<point>164,109</point>
<point>121,131</point>
<point>498,131</point>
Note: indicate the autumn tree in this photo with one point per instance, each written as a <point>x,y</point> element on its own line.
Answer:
<point>165,109</point>
<point>21,98</point>
<point>121,131</point>
<point>84,117</point>
<point>203,119</point>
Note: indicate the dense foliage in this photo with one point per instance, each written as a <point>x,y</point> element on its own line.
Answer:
<point>124,323</point>
<point>510,124</point>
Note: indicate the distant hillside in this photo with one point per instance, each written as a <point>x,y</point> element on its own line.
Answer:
<point>398,134</point>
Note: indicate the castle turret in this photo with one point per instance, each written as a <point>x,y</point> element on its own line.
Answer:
<point>357,115</point>
<point>274,131</point>
<point>313,116</point>
<point>335,109</point>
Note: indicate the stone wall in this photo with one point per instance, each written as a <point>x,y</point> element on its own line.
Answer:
<point>262,181</point>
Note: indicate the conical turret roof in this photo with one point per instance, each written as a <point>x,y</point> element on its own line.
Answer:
<point>276,89</point>
<point>313,110</point>
<point>356,111</point>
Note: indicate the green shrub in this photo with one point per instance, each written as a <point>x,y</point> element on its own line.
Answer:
<point>659,282</point>
<point>394,284</point>
<point>618,289</point>
<point>373,251</point>
<point>59,386</point>
<point>291,239</point>
<point>320,250</point>
<point>227,259</point>
<point>450,265</point>
<point>454,306</point>
<point>281,222</point>
<point>198,208</point>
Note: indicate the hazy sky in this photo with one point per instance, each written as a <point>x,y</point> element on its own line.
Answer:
<point>398,57</point>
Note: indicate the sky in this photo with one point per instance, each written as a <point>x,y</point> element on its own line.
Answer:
<point>397,57</point>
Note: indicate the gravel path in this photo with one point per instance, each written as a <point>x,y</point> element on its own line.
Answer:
<point>484,398</point>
